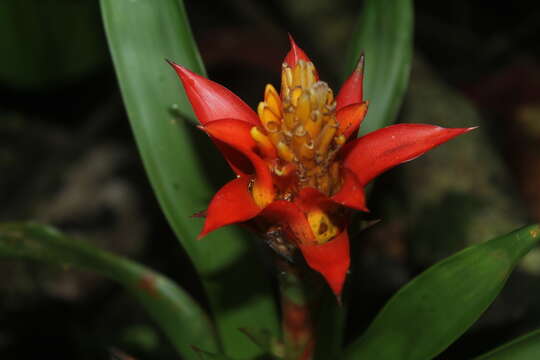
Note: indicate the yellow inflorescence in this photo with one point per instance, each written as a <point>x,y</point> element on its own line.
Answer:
<point>301,124</point>
<point>300,137</point>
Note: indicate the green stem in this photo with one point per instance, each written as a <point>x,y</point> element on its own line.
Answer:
<point>296,306</point>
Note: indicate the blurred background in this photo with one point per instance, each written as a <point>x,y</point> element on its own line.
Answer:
<point>67,158</point>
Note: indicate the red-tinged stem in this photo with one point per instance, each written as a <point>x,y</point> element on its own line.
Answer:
<point>296,303</point>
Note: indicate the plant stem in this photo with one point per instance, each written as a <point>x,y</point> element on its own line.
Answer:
<point>296,304</point>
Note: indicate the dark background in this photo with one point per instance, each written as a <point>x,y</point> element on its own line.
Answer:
<point>67,157</point>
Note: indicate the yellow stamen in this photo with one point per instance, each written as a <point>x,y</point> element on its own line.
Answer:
<point>269,120</point>
<point>285,152</point>
<point>283,169</point>
<point>272,100</point>
<point>329,97</point>
<point>286,81</point>
<point>289,120</point>
<point>297,72</point>
<point>310,75</point>
<point>263,142</point>
<point>261,194</point>
<point>295,95</point>
<point>307,151</point>
<point>314,124</point>
<point>260,109</point>
<point>299,139</point>
<point>303,108</point>
<point>325,138</point>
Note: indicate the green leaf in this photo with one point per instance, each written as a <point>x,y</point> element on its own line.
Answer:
<point>182,320</point>
<point>49,43</point>
<point>205,355</point>
<point>141,35</point>
<point>526,347</point>
<point>435,308</point>
<point>385,34</point>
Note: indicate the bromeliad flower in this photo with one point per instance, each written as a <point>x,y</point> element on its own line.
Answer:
<point>300,168</point>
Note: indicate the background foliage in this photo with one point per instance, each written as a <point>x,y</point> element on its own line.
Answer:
<point>68,158</point>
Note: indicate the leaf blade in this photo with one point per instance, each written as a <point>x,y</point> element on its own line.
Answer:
<point>435,308</point>
<point>525,347</point>
<point>385,34</point>
<point>180,317</point>
<point>141,35</point>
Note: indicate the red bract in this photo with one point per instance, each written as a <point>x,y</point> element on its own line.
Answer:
<point>299,165</point>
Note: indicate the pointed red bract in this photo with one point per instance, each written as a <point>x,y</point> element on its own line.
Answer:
<point>231,204</point>
<point>236,134</point>
<point>258,192</point>
<point>240,164</point>
<point>211,101</point>
<point>331,259</point>
<point>291,219</point>
<point>386,148</point>
<point>295,54</point>
<point>351,193</point>
<point>352,90</point>
<point>350,117</point>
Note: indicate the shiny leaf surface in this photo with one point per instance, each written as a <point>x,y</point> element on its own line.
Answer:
<point>141,35</point>
<point>434,309</point>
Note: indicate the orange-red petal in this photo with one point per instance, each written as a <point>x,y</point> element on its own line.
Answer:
<point>231,204</point>
<point>212,101</point>
<point>352,89</point>
<point>295,54</point>
<point>309,199</point>
<point>386,148</point>
<point>331,259</point>
<point>292,220</point>
<point>351,193</point>
<point>236,134</point>
<point>350,117</point>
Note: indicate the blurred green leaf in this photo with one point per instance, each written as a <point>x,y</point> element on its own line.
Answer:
<point>330,323</point>
<point>526,347</point>
<point>435,308</point>
<point>385,34</point>
<point>49,42</point>
<point>141,35</point>
<point>204,355</point>
<point>182,320</point>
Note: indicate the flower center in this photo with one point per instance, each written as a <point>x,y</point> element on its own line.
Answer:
<point>300,135</point>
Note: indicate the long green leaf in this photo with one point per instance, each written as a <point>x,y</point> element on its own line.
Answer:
<point>385,34</point>
<point>204,355</point>
<point>435,308</point>
<point>141,35</point>
<point>526,347</point>
<point>182,320</point>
